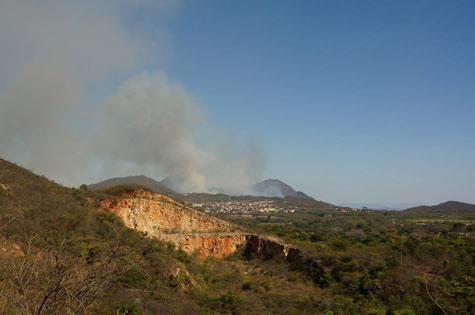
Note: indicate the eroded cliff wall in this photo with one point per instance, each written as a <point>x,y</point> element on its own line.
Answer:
<point>191,230</point>
<point>208,244</point>
<point>157,214</point>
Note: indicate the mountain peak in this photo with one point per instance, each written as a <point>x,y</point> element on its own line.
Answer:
<point>133,180</point>
<point>277,188</point>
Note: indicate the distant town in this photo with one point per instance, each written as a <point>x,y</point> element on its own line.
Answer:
<point>265,206</point>
<point>259,206</point>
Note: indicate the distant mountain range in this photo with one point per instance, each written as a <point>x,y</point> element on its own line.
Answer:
<point>266,188</point>
<point>133,180</point>
<point>446,207</point>
<point>378,205</point>
<point>276,188</point>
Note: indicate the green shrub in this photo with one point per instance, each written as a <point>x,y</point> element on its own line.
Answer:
<point>230,300</point>
<point>134,277</point>
<point>182,256</point>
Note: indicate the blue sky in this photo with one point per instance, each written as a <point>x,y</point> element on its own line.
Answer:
<point>352,101</point>
<point>349,101</point>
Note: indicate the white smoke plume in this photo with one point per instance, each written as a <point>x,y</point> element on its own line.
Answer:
<point>56,57</point>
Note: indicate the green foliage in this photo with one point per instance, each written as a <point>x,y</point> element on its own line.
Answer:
<point>182,256</point>
<point>229,300</point>
<point>134,277</point>
<point>120,308</point>
<point>375,256</point>
<point>406,311</point>
<point>340,245</point>
<point>127,309</point>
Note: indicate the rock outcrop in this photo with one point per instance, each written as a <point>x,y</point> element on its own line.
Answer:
<point>265,248</point>
<point>170,221</point>
<point>156,214</point>
<point>191,230</point>
<point>208,244</point>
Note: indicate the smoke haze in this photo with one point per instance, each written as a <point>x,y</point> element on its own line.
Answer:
<point>56,57</point>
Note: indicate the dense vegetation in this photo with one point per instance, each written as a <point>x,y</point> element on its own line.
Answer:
<point>385,262</point>
<point>75,259</point>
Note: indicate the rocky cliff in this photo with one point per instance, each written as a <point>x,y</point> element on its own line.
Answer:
<point>170,221</point>
<point>208,244</point>
<point>156,214</point>
<point>189,229</point>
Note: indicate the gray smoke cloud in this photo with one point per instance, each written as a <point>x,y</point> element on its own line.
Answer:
<point>56,57</point>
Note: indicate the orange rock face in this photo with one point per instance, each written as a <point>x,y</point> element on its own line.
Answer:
<point>213,244</point>
<point>160,214</point>
<point>165,219</point>
<point>189,229</point>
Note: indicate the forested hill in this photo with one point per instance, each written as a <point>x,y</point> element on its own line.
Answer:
<point>148,182</point>
<point>449,207</point>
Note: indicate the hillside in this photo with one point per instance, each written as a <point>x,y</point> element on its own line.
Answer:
<point>148,182</point>
<point>61,254</point>
<point>276,188</point>
<point>449,207</point>
<point>75,259</point>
